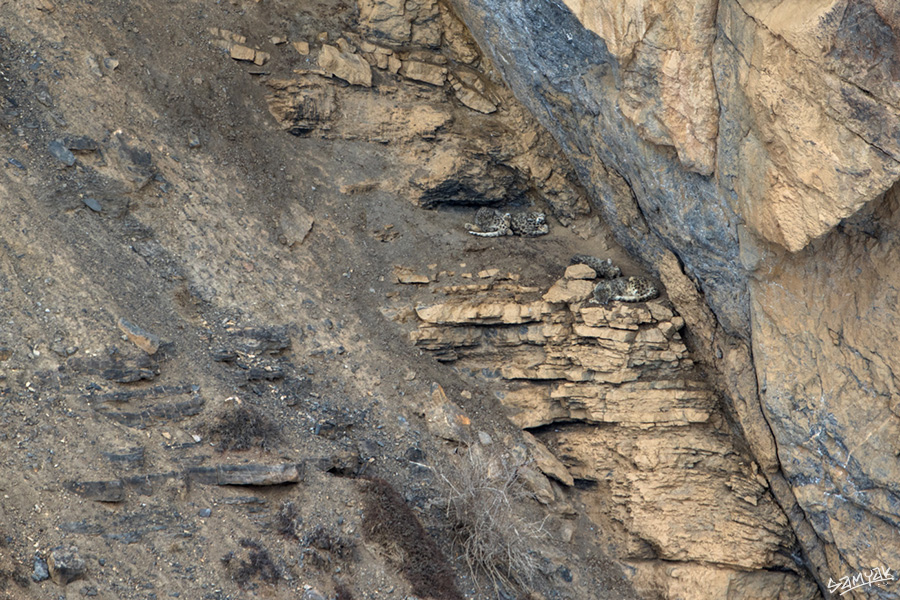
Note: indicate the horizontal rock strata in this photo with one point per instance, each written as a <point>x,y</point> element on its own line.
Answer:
<point>613,392</point>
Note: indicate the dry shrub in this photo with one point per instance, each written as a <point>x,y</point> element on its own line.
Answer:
<point>242,428</point>
<point>495,541</point>
<point>287,520</point>
<point>258,566</point>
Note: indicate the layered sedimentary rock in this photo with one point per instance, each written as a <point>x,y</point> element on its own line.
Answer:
<point>745,150</point>
<point>615,395</point>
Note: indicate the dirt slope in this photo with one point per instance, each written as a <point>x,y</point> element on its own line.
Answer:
<point>263,262</point>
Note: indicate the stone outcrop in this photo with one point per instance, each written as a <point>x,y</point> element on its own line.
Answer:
<point>746,151</point>
<point>614,394</point>
<point>431,96</point>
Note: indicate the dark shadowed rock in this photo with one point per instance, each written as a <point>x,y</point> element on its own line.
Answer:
<point>65,565</point>
<point>101,491</point>
<point>59,151</point>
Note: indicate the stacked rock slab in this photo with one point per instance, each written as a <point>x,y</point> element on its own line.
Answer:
<point>613,392</point>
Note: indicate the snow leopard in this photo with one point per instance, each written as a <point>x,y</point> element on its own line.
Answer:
<point>625,289</point>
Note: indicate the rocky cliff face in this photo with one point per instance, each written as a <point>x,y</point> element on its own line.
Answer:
<point>747,151</point>
<point>614,394</point>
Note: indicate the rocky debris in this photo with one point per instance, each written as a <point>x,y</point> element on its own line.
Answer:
<point>302,48</point>
<point>128,458</point>
<point>245,474</point>
<point>129,162</point>
<point>294,225</point>
<point>239,52</point>
<point>235,45</point>
<point>41,571</point>
<point>82,144</point>
<point>100,491</point>
<point>157,391</point>
<point>302,106</point>
<point>5,353</point>
<point>153,414</point>
<point>546,462</point>
<point>116,368</point>
<point>352,68</point>
<point>474,100</point>
<point>141,338</point>
<point>445,419</point>
<point>59,151</point>
<point>424,72</point>
<point>401,23</point>
<point>224,37</point>
<point>455,171</point>
<point>92,203</point>
<point>409,275</point>
<point>469,95</point>
<point>66,565</point>
<point>254,341</point>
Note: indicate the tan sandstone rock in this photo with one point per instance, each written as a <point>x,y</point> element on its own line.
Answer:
<point>569,291</point>
<point>352,68</point>
<point>424,72</point>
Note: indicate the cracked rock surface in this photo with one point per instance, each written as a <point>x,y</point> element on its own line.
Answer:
<point>747,152</point>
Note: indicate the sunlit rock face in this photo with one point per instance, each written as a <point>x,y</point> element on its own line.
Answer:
<point>758,143</point>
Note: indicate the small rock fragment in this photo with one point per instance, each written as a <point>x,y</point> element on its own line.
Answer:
<point>65,565</point>
<point>352,68</point>
<point>474,100</point>
<point>302,48</point>
<point>228,35</point>
<point>100,491</point>
<point>580,272</point>
<point>5,353</point>
<point>92,204</point>
<point>40,572</point>
<point>546,461</point>
<point>445,419</point>
<point>408,275</point>
<point>93,65</point>
<point>569,291</point>
<point>486,273</point>
<point>394,64</point>
<point>424,72</point>
<point>111,63</point>
<point>82,144</point>
<point>239,52</point>
<point>246,474</point>
<point>294,225</point>
<point>61,153</point>
<point>312,594</point>
<point>141,338</point>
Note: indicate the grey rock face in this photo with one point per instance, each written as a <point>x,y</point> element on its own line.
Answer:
<point>567,77</point>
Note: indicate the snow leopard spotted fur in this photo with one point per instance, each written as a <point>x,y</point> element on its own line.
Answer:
<point>604,268</point>
<point>490,222</point>
<point>625,289</point>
